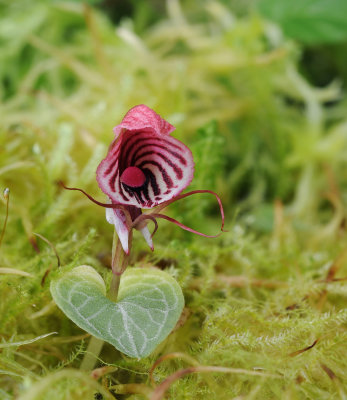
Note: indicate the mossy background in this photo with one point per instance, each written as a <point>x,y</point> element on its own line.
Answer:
<point>266,119</point>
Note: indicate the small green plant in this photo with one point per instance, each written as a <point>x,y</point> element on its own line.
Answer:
<point>144,168</point>
<point>149,304</point>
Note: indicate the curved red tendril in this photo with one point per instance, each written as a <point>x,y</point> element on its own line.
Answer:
<point>182,196</point>
<point>153,215</point>
<point>105,205</point>
<point>186,228</point>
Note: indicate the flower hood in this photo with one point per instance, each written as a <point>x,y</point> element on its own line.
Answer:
<point>144,166</point>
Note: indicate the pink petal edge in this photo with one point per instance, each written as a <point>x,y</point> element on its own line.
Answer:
<point>142,117</point>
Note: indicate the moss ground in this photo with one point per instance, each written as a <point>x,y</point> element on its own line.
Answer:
<point>268,296</point>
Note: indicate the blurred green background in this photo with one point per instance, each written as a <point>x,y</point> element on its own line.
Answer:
<point>257,90</point>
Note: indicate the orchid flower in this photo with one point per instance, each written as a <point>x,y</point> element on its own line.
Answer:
<point>145,168</point>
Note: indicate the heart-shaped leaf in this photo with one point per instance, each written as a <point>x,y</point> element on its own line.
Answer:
<point>149,305</point>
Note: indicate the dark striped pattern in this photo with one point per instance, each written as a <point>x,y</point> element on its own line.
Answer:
<point>166,162</point>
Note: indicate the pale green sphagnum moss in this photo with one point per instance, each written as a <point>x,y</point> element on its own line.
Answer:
<point>257,296</point>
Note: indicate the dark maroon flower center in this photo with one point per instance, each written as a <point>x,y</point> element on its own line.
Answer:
<point>133,177</point>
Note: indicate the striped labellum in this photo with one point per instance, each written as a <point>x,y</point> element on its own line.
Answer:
<point>144,168</point>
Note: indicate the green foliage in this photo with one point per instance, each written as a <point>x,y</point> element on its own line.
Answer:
<point>310,21</point>
<point>71,384</point>
<point>276,153</point>
<point>148,307</point>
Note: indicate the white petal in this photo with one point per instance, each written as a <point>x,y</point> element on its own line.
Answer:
<point>117,218</point>
<point>147,235</point>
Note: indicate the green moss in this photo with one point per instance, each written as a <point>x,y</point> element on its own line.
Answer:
<point>262,137</point>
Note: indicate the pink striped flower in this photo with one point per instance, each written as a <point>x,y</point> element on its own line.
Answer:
<point>144,168</point>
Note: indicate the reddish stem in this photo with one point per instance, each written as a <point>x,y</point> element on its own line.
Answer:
<point>160,390</point>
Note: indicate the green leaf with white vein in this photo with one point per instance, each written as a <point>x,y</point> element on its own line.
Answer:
<point>149,305</point>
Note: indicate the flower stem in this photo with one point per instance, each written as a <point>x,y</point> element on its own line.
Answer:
<point>116,262</point>
<point>92,353</point>
<point>120,262</point>
<point>95,345</point>
<point>113,293</point>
